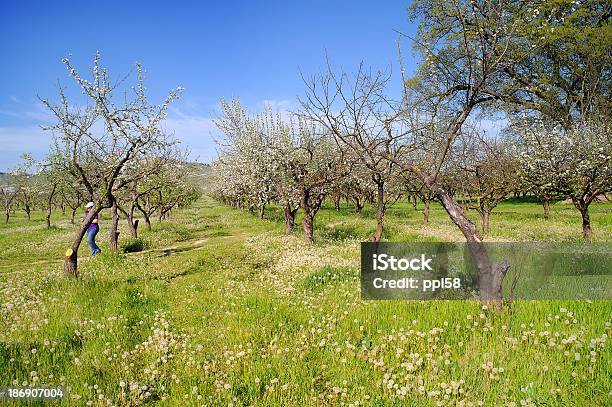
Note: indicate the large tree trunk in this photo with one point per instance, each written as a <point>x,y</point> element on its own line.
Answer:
<point>456,214</point>
<point>72,215</point>
<point>113,242</point>
<point>164,213</point>
<point>129,217</point>
<point>289,218</point>
<point>49,203</point>
<point>147,211</point>
<point>380,211</point>
<point>147,218</point>
<point>262,211</point>
<point>358,204</point>
<point>546,205</point>
<point>7,215</point>
<point>70,261</point>
<point>490,275</point>
<point>587,232</point>
<point>70,264</point>
<point>583,207</point>
<point>309,213</point>
<point>337,202</point>
<point>132,226</point>
<point>308,225</point>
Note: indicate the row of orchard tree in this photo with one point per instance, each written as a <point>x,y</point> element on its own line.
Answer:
<point>267,159</point>
<point>544,66</point>
<point>110,148</point>
<point>47,185</point>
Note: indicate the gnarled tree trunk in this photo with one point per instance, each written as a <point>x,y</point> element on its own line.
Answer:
<point>147,211</point>
<point>308,225</point>
<point>289,218</point>
<point>309,214</point>
<point>132,223</point>
<point>490,275</point>
<point>113,242</point>
<point>70,261</point>
<point>48,218</point>
<point>583,206</point>
<point>129,217</point>
<point>49,203</point>
<point>358,204</point>
<point>380,211</point>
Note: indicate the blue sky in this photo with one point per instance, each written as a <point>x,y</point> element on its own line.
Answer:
<point>252,50</point>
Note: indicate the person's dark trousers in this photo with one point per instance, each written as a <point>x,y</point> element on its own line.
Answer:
<point>91,239</point>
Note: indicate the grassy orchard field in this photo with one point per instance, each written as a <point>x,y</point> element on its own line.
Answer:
<point>223,309</point>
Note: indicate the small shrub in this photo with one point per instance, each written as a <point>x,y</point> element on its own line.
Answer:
<point>134,245</point>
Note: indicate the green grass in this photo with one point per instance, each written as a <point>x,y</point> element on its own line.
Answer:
<point>215,307</point>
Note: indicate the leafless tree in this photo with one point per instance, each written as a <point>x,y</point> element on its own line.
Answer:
<point>363,121</point>
<point>8,195</point>
<point>491,168</point>
<point>25,183</point>
<point>464,56</point>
